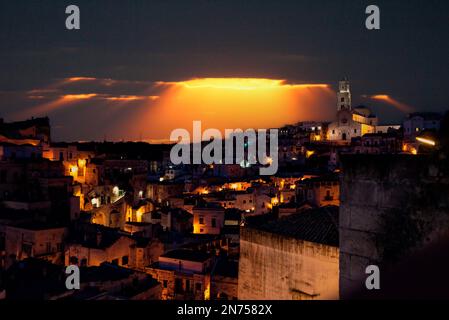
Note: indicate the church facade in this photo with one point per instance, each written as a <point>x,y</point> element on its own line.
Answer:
<point>350,122</point>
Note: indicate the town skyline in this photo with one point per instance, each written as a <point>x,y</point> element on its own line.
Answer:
<point>303,103</point>
<point>220,156</point>
<point>110,76</point>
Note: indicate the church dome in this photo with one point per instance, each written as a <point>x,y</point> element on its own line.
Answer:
<point>363,111</point>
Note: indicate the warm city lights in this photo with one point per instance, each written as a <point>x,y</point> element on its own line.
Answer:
<point>426,141</point>
<point>223,159</point>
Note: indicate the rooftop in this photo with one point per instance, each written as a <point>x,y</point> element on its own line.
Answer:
<point>104,272</point>
<point>323,178</point>
<point>314,225</point>
<point>188,255</point>
<point>426,115</point>
<point>180,214</point>
<point>208,205</point>
<point>95,236</point>
<point>392,134</point>
<point>20,125</point>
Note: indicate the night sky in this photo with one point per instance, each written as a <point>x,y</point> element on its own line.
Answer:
<point>125,49</point>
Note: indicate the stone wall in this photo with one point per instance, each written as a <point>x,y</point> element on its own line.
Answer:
<point>390,206</point>
<point>41,243</point>
<point>225,288</point>
<point>274,266</point>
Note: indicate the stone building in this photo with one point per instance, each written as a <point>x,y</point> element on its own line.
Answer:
<point>376,143</point>
<point>208,218</point>
<point>35,239</point>
<point>184,274</point>
<point>351,122</point>
<point>177,220</point>
<point>242,200</point>
<point>23,151</point>
<point>109,282</point>
<point>108,245</point>
<point>162,191</point>
<point>319,191</point>
<point>417,122</point>
<point>105,212</point>
<point>224,280</point>
<point>293,258</point>
<point>36,279</point>
<point>35,130</point>
<point>392,208</point>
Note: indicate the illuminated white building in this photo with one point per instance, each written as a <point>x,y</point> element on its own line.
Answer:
<point>350,122</point>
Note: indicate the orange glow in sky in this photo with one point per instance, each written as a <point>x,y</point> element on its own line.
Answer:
<point>131,98</point>
<point>238,84</point>
<point>60,102</point>
<point>79,96</point>
<point>231,103</point>
<point>395,103</point>
<point>220,103</point>
<point>75,79</point>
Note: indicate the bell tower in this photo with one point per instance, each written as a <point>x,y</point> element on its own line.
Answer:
<point>344,95</point>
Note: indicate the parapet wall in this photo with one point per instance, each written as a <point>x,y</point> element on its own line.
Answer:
<point>390,206</point>
<point>274,266</point>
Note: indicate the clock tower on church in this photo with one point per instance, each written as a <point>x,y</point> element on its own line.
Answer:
<point>344,95</point>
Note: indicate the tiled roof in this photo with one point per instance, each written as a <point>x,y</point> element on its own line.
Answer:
<point>314,225</point>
